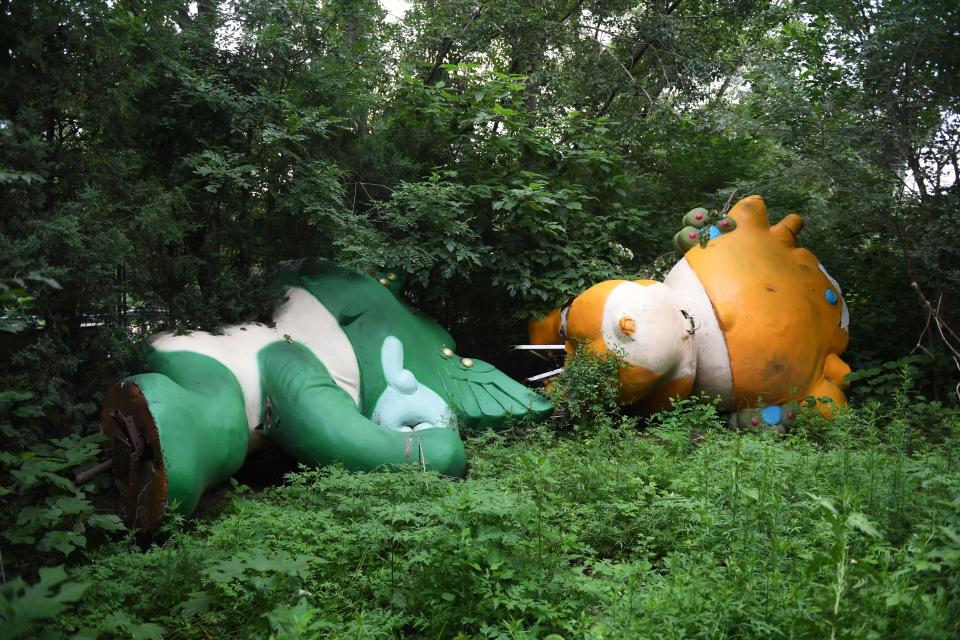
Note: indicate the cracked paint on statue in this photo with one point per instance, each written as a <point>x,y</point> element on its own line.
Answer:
<point>347,374</point>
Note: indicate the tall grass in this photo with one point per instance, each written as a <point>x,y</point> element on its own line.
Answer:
<point>842,529</point>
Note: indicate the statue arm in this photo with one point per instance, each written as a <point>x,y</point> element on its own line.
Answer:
<point>317,422</point>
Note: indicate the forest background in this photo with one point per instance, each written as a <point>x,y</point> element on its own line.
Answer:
<point>159,158</point>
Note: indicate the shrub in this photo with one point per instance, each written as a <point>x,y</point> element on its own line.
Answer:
<point>586,393</point>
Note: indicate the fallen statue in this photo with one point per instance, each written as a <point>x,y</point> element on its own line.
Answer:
<point>346,373</point>
<point>745,316</point>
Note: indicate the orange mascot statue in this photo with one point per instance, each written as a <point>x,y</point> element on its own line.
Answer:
<point>745,316</point>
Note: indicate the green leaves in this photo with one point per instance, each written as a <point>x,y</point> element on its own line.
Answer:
<point>106,521</point>
<point>22,605</point>
<point>15,301</point>
<point>671,527</point>
<point>8,176</point>
<point>854,521</point>
<point>47,510</point>
<point>257,570</point>
<point>297,621</point>
<point>860,522</point>
<point>587,391</point>
<point>198,603</point>
<point>534,208</point>
<point>120,623</point>
<point>220,169</point>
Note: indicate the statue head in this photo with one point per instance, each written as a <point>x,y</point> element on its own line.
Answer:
<point>413,379</point>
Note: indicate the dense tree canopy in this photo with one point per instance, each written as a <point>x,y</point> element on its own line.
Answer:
<point>158,158</point>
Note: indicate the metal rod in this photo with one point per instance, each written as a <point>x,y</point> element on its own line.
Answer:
<point>539,347</point>
<point>90,474</point>
<point>548,374</point>
<point>546,358</point>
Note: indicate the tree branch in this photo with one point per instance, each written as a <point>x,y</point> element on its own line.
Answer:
<point>445,45</point>
<point>634,59</point>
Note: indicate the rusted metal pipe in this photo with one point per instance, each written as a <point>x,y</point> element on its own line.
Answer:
<point>91,473</point>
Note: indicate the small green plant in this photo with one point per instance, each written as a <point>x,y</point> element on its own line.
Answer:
<point>15,299</point>
<point>248,573</point>
<point>587,391</point>
<point>294,622</point>
<point>687,422</point>
<point>44,510</point>
<point>885,381</point>
<point>846,574</point>
<point>16,405</point>
<point>23,606</point>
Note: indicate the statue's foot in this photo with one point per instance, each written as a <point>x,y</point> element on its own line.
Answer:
<point>134,446</point>
<point>776,418</point>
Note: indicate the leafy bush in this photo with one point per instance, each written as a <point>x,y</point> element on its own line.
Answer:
<point>586,393</point>
<point>22,606</point>
<point>687,422</point>
<point>45,511</point>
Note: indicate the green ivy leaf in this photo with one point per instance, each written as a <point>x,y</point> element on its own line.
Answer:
<point>197,603</point>
<point>107,522</point>
<point>63,541</point>
<point>22,605</point>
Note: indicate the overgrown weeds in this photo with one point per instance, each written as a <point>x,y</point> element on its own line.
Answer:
<point>841,529</point>
<point>586,393</point>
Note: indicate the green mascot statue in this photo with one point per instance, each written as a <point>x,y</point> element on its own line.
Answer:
<point>345,374</point>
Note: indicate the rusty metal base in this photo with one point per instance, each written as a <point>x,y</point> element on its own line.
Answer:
<point>134,447</point>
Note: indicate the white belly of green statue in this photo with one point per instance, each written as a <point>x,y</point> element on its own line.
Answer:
<point>301,318</point>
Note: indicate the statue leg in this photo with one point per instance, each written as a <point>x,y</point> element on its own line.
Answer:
<point>829,395</point>
<point>318,423</point>
<point>172,434</point>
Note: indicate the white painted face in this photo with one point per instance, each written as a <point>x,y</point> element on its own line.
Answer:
<point>407,405</point>
<point>644,325</point>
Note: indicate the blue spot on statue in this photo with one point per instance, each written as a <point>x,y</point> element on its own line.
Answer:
<point>772,415</point>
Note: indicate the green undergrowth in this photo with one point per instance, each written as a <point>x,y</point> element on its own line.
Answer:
<point>846,529</point>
